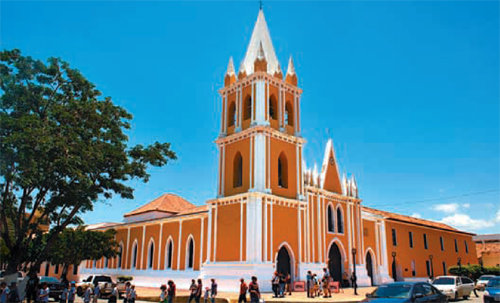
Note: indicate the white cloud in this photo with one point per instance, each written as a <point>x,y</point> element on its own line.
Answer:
<point>448,208</point>
<point>466,205</point>
<point>463,221</point>
<point>497,216</point>
<point>416,215</point>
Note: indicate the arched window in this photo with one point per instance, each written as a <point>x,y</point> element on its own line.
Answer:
<point>247,108</point>
<point>282,171</point>
<point>120,252</point>
<point>288,114</point>
<point>133,260</point>
<point>340,221</point>
<point>273,114</point>
<point>151,254</point>
<point>331,219</point>
<point>231,117</point>
<point>237,170</point>
<point>190,253</point>
<point>169,253</point>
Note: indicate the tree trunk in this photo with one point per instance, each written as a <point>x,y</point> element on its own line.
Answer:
<point>64,273</point>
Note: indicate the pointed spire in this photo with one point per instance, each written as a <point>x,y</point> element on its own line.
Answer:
<point>260,54</point>
<point>260,37</point>
<point>230,67</point>
<point>291,68</point>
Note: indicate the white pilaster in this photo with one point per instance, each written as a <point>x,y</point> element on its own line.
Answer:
<point>159,245</point>
<point>260,103</point>
<point>259,164</point>
<point>254,224</point>
<point>209,234</point>
<point>216,224</point>
<point>179,246</point>
<point>142,245</point>
<point>126,257</point>
<point>201,240</point>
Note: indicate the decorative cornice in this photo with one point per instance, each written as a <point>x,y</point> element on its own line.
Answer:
<point>268,131</point>
<point>260,76</point>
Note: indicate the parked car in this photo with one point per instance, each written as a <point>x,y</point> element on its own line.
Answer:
<point>104,282</point>
<point>55,286</point>
<point>492,291</point>
<point>482,281</point>
<point>454,287</point>
<point>20,276</point>
<point>399,292</point>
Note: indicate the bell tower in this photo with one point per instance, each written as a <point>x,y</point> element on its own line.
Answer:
<point>260,144</point>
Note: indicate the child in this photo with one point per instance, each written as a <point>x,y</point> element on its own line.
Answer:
<point>207,293</point>
<point>163,294</point>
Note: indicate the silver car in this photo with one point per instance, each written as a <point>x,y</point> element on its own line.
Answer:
<point>454,287</point>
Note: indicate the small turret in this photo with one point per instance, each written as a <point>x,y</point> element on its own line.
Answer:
<point>260,63</point>
<point>241,72</point>
<point>230,76</point>
<point>291,77</point>
<point>278,74</point>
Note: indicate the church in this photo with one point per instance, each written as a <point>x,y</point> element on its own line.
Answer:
<point>271,213</point>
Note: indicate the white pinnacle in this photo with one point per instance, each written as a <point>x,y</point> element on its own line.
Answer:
<point>260,37</point>
<point>230,67</point>
<point>260,54</point>
<point>291,68</point>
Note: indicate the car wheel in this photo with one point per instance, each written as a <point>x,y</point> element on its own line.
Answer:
<point>79,291</point>
<point>466,297</point>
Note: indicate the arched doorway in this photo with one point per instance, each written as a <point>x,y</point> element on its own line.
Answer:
<point>284,262</point>
<point>369,267</point>
<point>335,263</point>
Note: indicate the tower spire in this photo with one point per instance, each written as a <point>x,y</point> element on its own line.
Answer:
<point>230,67</point>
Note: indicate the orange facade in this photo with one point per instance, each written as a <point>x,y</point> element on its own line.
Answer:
<point>272,213</point>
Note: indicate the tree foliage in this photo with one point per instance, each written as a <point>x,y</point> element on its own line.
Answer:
<point>62,149</point>
<point>474,271</point>
<point>72,246</point>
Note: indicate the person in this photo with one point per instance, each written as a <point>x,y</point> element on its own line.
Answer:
<point>192,291</point>
<point>243,291</point>
<point>345,279</point>
<point>288,281</point>
<point>127,290</point>
<point>275,284</point>
<point>207,294</point>
<point>32,287</point>
<point>171,291</point>
<point>72,292</point>
<point>44,293</point>
<point>64,293</point>
<point>282,285</point>
<point>4,292</point>
<point>199,291</point>
<point>316,289</point>
<point>354,283</point>
<point>308,283</point>
<point>213,290</point>
<point>132,294</point>
<point>326,281</point>
<point>254,291</point>
<point>87,295</point>
<point>113,298</point>
<point>163,293</point>
<point>97,293</point>
<point>14,293</point>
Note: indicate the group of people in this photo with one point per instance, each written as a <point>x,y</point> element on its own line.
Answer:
<point>281,284</point>
<point>9,294</point>
<point>315,287</point>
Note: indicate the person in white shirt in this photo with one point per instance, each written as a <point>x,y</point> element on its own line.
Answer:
<point>113,298</point>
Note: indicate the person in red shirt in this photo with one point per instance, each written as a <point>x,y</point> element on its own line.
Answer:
<point>171,291</point>
<point>243,291</point>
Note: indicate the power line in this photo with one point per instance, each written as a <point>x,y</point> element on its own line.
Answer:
<point>439,199</point>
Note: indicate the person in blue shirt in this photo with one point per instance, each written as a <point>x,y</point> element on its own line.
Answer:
<point>4,292</point>
<point>44,293</point>
<point>64,293</point>
<point>72,293</point>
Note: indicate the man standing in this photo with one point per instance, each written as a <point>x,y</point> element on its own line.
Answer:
<point>14,293</point>
<point>308,283</point>
<point>243,291</point>
<point>72,293</point>
<point>97,292</point>
<point>199,291</point>
<point>127,291</point>
<point>192,291</point>
<point>44,293</point>
<point>32,287</point>
<point>87,295</point>
<point>326,283</point>
<point>171,291</point>
<point>4,292</point>
<point>213,290</point>
<point>253,288</point>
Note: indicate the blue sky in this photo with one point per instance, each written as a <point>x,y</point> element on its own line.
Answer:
<point>408,90</point>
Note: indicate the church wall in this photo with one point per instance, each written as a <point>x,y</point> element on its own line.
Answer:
<point>336,235</point>
<point>228,232</point>
<point>290,151</point>
<point>152,234</point>
<point>190,228</point>
<point>242,146</point>
<point>285,232</point>
<point>170,229</point>
<point>135,235</point>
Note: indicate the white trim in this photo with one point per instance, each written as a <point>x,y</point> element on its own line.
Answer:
<point>253,103</point>
<point>159,246</point>
<point>318,231</point>
<point>186,257</point>
<point>265,230</point>
<point>127,250</point>
<point>142,245</point>
<point>209,235</point>
<point>223,173</point>
<point>351,232</point>
<point>179,246</point>
<point>201,240</point>
<point>299,234</point>
<point>271,242</point>
<point>216,219</point>
<point>241,231</point>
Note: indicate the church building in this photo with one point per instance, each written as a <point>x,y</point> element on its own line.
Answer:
<point>271,213</point>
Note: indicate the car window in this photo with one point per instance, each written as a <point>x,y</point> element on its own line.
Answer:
<point>494,283</point>
<point>444,281</point>
<point>418,289</point>
<point>435,290</point>
<point>467,281</point>
<point>427,290</point>
<point>392,291</point>
<point>88,279</point>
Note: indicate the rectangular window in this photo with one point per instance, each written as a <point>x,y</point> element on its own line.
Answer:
<point>425,242</point>
<point>410,237</point>
<point>456,245</point>
<point>445,272</point>
<point>428,267</point>
<point>466,247</point>
<point>394,239</point>
<point>442,243</point>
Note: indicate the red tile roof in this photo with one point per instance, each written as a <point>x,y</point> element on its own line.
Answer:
<point>168,203</point>
<point>412,220</point>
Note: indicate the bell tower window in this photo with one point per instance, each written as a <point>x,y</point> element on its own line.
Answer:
<point>247,108</point>
<point>272,108</point>
<point>282,171</point>
<point>237,170</point>
<point>288,114</point>
<point>231,118</point>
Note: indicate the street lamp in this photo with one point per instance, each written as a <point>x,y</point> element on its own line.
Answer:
<point>432,267</point>
<point>394,274</point>
<point>354,278</point>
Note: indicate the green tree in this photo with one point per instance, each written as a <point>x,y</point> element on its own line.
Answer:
<point>62,149</point>
<point>73,246</point>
